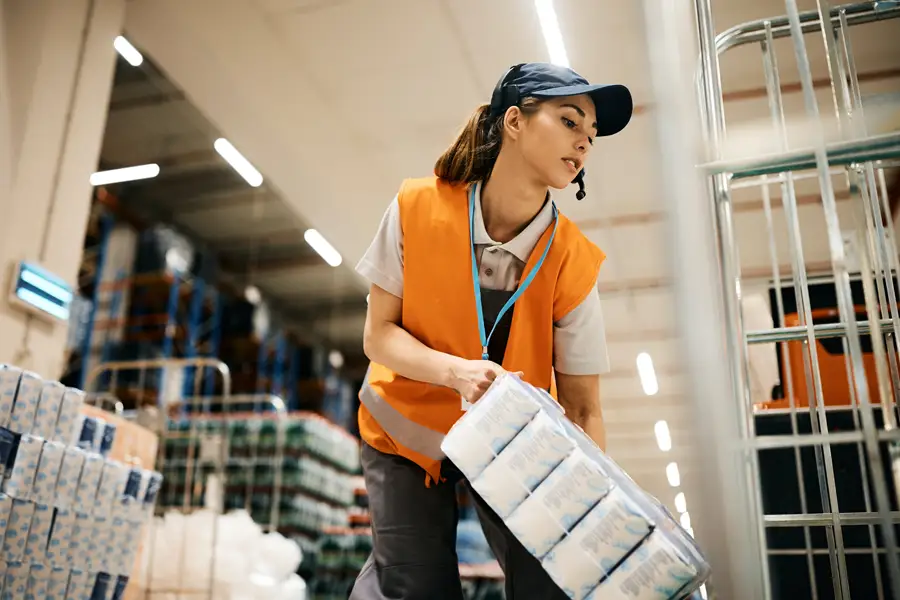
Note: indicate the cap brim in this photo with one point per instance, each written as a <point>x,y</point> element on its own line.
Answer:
<point>613,103</point>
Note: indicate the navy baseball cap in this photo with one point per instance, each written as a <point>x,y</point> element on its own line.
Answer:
<point>613,102</point>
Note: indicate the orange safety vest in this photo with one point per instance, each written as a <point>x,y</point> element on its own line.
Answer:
<point>409,418</point>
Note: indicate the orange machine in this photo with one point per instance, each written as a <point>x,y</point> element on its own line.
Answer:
<point>836,389</point>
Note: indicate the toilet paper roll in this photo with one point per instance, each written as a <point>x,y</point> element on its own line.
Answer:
<point>504,410</point>
<point>96,554</point>
<point>9,383</point>
<point>16,586</point>
<point>78,544</point>
<point>603,538</point>
<point>38,581</point>
<point>69,475</point>
<point>57,584</point>
<point>69,411</point>
<point>39,534</point>
<point>58,546</point>
<point>5,509</point>
<point>558,503</point>
<point>86,492</point>
<point>17,530</point>
<point>48,409</point>
<point>523,464</point>
<point>80,584</point>
<point>20,483</point>
<point>44,490</point>
<point>655,571</point>
<point>21,420</point>
<point>112,486</point>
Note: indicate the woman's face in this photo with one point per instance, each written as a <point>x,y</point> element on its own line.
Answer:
<point>556,140</point>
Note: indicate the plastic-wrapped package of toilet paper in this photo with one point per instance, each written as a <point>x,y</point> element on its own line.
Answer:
<point>69,475</point>
<point>597,544</point>
<point>44,490</point>
<point>657,570</point>
<point>25,407</point>
<point>568,493</point>
<point>16,581</point>
<point>69,411</point>
<point>48,409</point>
<point>5,509</point>
<point>57,584</point>
<point>60,537</point>
<point>525,462</point>
<point>490,425</point>
<point>24,468</point>
<point>9,384</point>
<point>38,581</point>
<point>80,585</point>
<point>86,492</point>
<point>78,544</point>
<point>112,486</point>
<point>39,533</point>
<point>17,531</point>
<point>578,512</point>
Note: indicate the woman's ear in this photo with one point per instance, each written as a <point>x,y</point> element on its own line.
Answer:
<point>513,121</point>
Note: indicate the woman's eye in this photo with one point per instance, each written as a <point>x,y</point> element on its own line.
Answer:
<point>569,123</point>
<point>591,141</point>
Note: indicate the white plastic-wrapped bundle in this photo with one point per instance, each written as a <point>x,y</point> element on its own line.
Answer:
<point>249,564</point>
<point>568,503</point>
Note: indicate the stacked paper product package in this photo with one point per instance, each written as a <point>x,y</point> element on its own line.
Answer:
<point>596,533</point>
<point>70,517</point>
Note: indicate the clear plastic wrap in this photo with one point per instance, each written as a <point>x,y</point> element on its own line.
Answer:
<point>597,533</point>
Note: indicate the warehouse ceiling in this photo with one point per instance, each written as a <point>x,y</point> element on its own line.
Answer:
<point>255,235</point>
<point>338,101</point>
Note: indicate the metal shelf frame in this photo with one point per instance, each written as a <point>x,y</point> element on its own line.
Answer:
<point>704,255</point>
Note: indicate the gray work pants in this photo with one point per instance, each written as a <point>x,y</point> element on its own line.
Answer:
<point>414,536</point>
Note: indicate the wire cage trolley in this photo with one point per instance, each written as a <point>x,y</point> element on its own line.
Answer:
<point>801,482</point>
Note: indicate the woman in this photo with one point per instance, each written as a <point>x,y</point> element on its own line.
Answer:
<point>473,273</point>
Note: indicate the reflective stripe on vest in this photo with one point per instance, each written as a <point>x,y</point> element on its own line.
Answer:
<point>417,438</point>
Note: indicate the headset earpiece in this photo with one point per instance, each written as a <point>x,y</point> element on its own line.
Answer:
<point>579,179</point>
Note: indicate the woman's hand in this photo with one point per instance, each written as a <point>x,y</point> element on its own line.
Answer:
<point>472,378</point>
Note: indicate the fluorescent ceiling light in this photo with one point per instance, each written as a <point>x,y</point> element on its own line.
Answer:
<point>680,503</point>
<point>686,520</point>
<point>703,592</point>
<point>647,374</point>
<point>126,174</point>
<point>238,162</point>
<point>673,475</point>
<point>321,245</point>
<point>663,438</point>
<point>128,52</point>
<point>552,35</point>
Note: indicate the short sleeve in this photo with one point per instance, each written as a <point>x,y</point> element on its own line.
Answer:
<point>382,264</point>
<point>579,340</point>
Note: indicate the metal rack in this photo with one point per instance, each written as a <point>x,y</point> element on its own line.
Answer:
<point>739,524</point>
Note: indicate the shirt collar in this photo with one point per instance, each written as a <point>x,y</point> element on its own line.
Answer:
<point>522,245</point>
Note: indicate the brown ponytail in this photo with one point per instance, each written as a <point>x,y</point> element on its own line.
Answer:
<point>472,156</point>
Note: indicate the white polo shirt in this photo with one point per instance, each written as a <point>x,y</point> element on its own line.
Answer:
<point>579,338</point>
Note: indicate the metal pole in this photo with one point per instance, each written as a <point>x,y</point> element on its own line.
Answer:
<point>730,525</point>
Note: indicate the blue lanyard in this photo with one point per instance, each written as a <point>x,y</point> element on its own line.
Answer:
<point>486,338</point>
